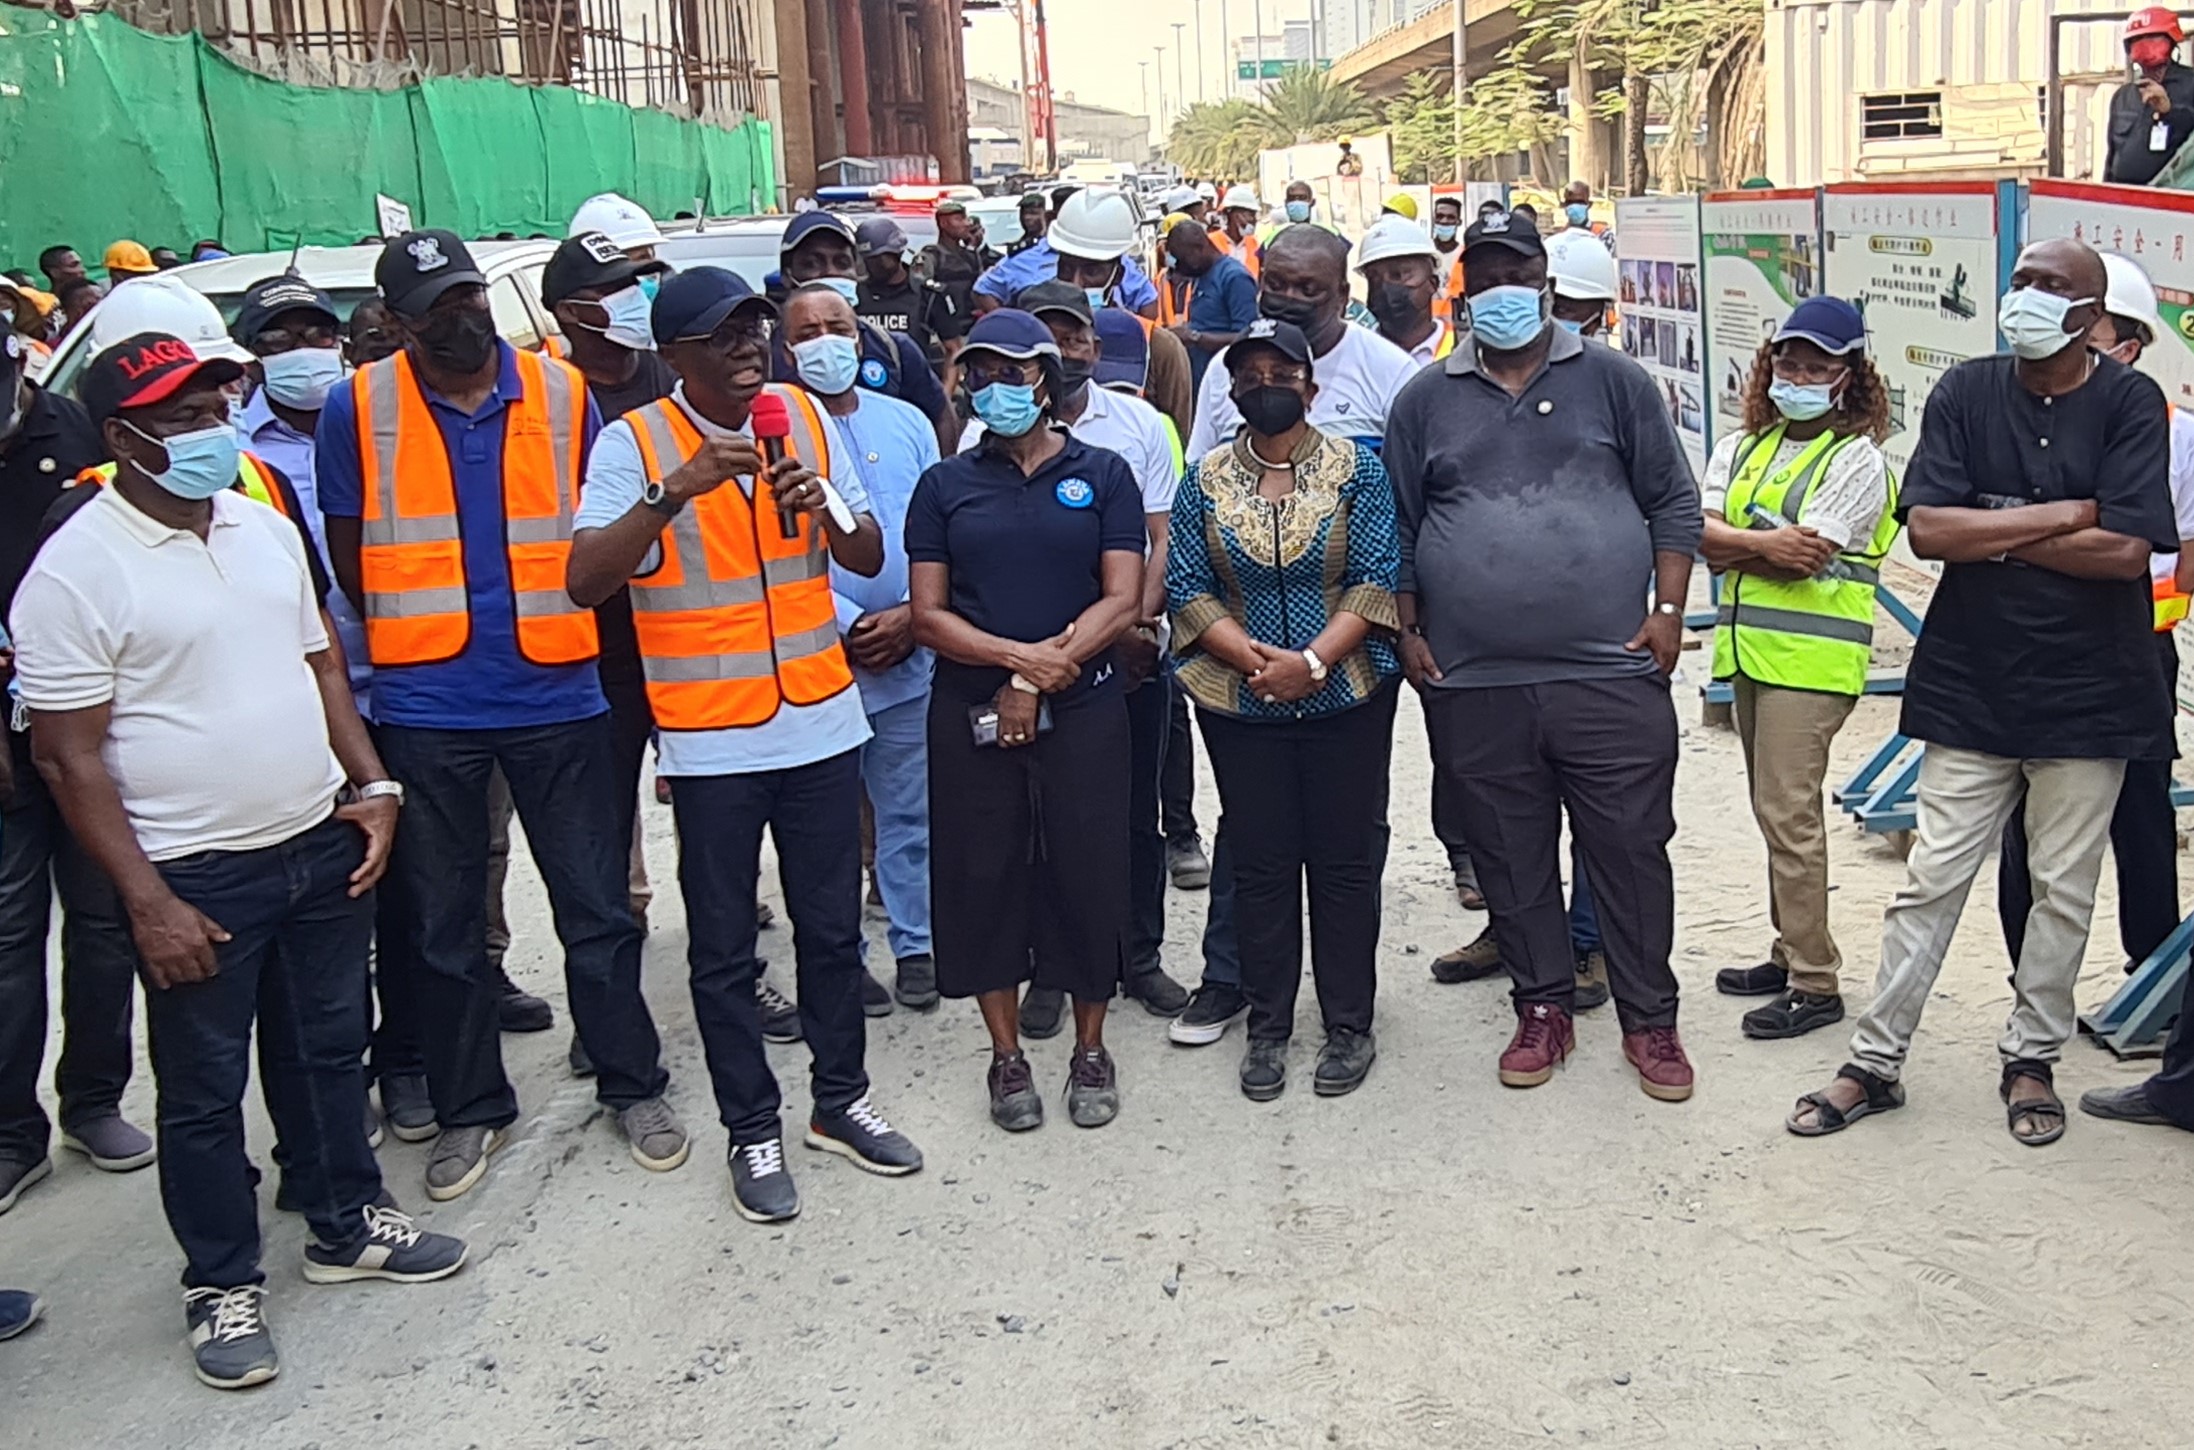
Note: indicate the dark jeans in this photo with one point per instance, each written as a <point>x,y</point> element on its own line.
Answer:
<point>98,971</point>
<point>1305,799</point>
<point>2172,1088</point>
<point>398,1047</point>
<point>1148,714</point>
<point>1222,945</point>
<point>1606,749</point>
<point>563,782</point>
<point>296,962</point>
<point>813,813</point>
<point>1177,772</point>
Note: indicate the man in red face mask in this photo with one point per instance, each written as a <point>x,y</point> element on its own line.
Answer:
<point>2152,115</point>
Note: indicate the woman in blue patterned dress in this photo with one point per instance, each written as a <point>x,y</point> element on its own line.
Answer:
<point>1281,584</point>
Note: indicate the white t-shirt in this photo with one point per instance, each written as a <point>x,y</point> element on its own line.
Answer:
<point>1845,504</point>
<point>797,734</point>
<point>1357,382</point>
<point>2163,566</point>
<point>218,740</point>
<point>1129,427</point>
<point>1426,353</point>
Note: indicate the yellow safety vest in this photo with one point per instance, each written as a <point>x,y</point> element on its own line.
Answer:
<point>253,479</point>
<point>1803,634</point>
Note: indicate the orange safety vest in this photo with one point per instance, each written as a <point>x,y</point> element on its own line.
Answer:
<point>411,556</point>
<point>253,480</point>
<point>556,347</point>
<point>1169,311</point>
<point>1445,299</point>
<point>737,620</point>
<point>1247,251</point>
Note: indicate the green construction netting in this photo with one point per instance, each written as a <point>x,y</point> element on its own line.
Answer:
<point>106,132</point>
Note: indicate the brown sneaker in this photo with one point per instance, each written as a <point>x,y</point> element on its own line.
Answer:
<point>1544,1036</point>
<point>1663,1070</point>
<point>1591,980</point>
<point>1480,959</point>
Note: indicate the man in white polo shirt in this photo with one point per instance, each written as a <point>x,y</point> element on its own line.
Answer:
<point>196,728</point>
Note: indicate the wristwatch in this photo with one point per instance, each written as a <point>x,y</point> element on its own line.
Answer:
<point>375,788</point>
<point>1023,685</point>
<point>654,497</point>
<point>1317,666</point>
<point>1664,607</point>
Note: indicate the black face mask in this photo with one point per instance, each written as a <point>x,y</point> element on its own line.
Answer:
<point>1394,304</point>
<point>1288,309</point>
<point>1269,409</point>
<point>461,340</point>
<point>1074,375</point>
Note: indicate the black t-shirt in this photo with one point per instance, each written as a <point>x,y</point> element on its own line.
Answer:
<point>1026,552</point>
<point>54,443</point>
<point>2020,661</point>
<point>2133,160</point>
<point>622,678</point>
<point>650,381</point>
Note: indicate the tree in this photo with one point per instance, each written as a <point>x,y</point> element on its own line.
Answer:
<point>1221,138</point>
<point>1420,125</point>
<point>1307,104</point>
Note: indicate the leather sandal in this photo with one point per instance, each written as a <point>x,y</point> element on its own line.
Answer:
<point>2046,1116</point>
<point>1881,1096</point>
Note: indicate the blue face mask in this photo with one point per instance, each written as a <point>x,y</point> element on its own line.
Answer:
<point>1096,296</point>
<point>1567,326</point>
<point>1298,211</point>
<point>1802,402</point>
<point>302,377</point>
<point>1579,214</point>
<point>1007,409</point>
<point>1507,318</point>
<point>1442,232</point>
<point>827,364</point>
<point>650,285</point>
<point>200,463</point>
<point>845,287</point>
<point>630,318</point>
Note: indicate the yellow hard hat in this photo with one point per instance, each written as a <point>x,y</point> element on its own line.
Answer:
<point>1402,204</point>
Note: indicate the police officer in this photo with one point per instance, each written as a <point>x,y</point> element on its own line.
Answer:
<point>894,298</point>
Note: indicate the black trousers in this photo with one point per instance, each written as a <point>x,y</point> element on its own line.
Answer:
<point>561,779</point>
<point>2172,1088</point>
<point>1148,724</point>
<point>398,1048</point>
<point>813,813</point>
<point>1306,798</point>
<point>1177,773</point>
<point>98,971</point>
<point>1606,749</point>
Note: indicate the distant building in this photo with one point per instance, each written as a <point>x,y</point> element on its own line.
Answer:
<point>1086,132</point>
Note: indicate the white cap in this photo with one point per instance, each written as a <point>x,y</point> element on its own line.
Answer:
<point>2131,294</point>
<point>626,223</point>
<point>1241,198</point>
<point>1094,225</point>
<point>1580,265</point>
<point>1393,235</point>
<point>160,303</point>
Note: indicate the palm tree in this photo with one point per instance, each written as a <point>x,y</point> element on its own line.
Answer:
<point>1221,138</point>
<point>1309,105</point>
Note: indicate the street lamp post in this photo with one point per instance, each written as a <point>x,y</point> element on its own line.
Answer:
<point>1160,52</point>
<point>1226,47</point>
<point>1180,90</point>
<point>1199,52</point>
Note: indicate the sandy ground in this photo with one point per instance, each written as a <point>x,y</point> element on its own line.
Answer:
<point>1433,1261</point>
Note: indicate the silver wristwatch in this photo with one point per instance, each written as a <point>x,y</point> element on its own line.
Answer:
<point>654,497</point>
<point>375,788</point>
<point>1664,607</point>
<point>1317,666</point>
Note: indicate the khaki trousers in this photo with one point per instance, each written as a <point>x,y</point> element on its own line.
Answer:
<point>1964,798</point>
<point>1786,735</point>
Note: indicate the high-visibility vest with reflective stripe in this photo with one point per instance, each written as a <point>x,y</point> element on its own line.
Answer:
<point>1446,299</point>
<point>411,555</point>
<point>556,347</point>
<point>1801,634</point>
<point>253,480</point>
<point>737,620</point>
<point>2170,602</point>
<point>1169,311</point>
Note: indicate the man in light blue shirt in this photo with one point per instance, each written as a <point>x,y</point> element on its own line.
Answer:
<point>892,444</point>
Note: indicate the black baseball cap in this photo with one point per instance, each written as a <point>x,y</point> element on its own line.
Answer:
<point>808,223</point>
<point>1284,338</point>
<point>591,260</point>
<point>268,299</point>
<point>694,303</point>
<point>147,368</point>
<point>1042,297</point>
<point>1520,234</point>
<point>416,268</point>
<point>880,236</point>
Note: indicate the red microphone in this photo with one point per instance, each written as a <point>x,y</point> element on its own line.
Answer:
<point>772,426</point>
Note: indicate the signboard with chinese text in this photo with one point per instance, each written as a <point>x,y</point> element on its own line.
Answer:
<point>1662,329</point>
<point>1761,257</point>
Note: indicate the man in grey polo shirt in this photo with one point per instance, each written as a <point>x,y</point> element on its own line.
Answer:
<point>1541,491</point>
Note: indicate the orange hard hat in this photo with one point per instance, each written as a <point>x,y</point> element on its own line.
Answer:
<point>2155,20</point>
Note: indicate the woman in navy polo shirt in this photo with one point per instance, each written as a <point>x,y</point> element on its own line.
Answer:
<point>1026,559</point>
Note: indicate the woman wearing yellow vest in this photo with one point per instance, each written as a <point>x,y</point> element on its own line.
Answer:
<point>1799,516</point>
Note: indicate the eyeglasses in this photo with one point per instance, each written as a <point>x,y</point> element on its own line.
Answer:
<point>734,333</point>
<point>288,339</point>
<point>1265,375</point>
<point>981,375</point>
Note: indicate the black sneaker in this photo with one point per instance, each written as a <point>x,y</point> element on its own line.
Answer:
<point>1793,1014</point>
<point>780,1017</point>
<point>517,1010</point>
<point>394,1248</point>
<point>1591,980</point>
<point>1764,980</point>
<point>17,1178</point>
<point>917,986</point>
<point>407,1108</point>
<point>859,1132</point>
<point>576,1055</point>
<point>875,996</point>
<point>1015,1105</point>
<point>1160,995</point>
<point>229,1341</point>
<point>1212,1008</point>
<point>761,1187</point>
<point>1344,1062</point>
<point>1093,1088</point>
<point>1264,1069</point>
<point>1041,1011</point>
<point>1474,962</point>
<point>19,1310</point>
<point>1187,864</point>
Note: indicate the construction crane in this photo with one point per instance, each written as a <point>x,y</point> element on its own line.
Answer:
<point>1040,124</point>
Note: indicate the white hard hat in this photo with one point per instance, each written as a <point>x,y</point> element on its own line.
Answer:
<point>1580,265</point>
<point>1394,236</point>
<point>1241,198</point>
<point>1178,198</point>
<point>2131,294</point>
<point>1205,191</point>
<point>1097,226</point>
<point>626,223</point>
<point>163,304</point>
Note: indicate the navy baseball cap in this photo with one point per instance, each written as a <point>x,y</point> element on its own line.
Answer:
<point>1829,323</point>
<point>1010,332</point>
<point>1284,338</point>
<point>1517,230</point>
<point>808,223</point>
<point>1123,359</point>
<point>879,236</point>
<point>270,297</point>
<point>692,304</point>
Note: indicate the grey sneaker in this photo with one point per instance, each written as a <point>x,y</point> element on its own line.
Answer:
<point>1187,864</point>
<point>1264,1069</point>
<point>1093,1088</point>
<point>780,1015</point>
<point>1344,1061</point>
<point>229,1341</point>
<point>407,1107</point>
<point>17,1178</point>
<point>19,1310</point>
<point>875,996</point>
<point>859,1132</point>
<point>394,1248</point>
<point>459,1159</point>
<point>761,1188</point>
<point>1015,1105</point>
<point>1160,995</point>
<point>112,1145</point>
<point>658,1139</point>
<point>917,986</point>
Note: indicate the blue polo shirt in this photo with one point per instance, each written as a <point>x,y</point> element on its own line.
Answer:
<point>490,686</point>
<point>1040,263</point>
<point>1225,301</point>
<point>1026,553</point>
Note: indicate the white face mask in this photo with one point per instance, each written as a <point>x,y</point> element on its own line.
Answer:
<point>2032,321</point>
